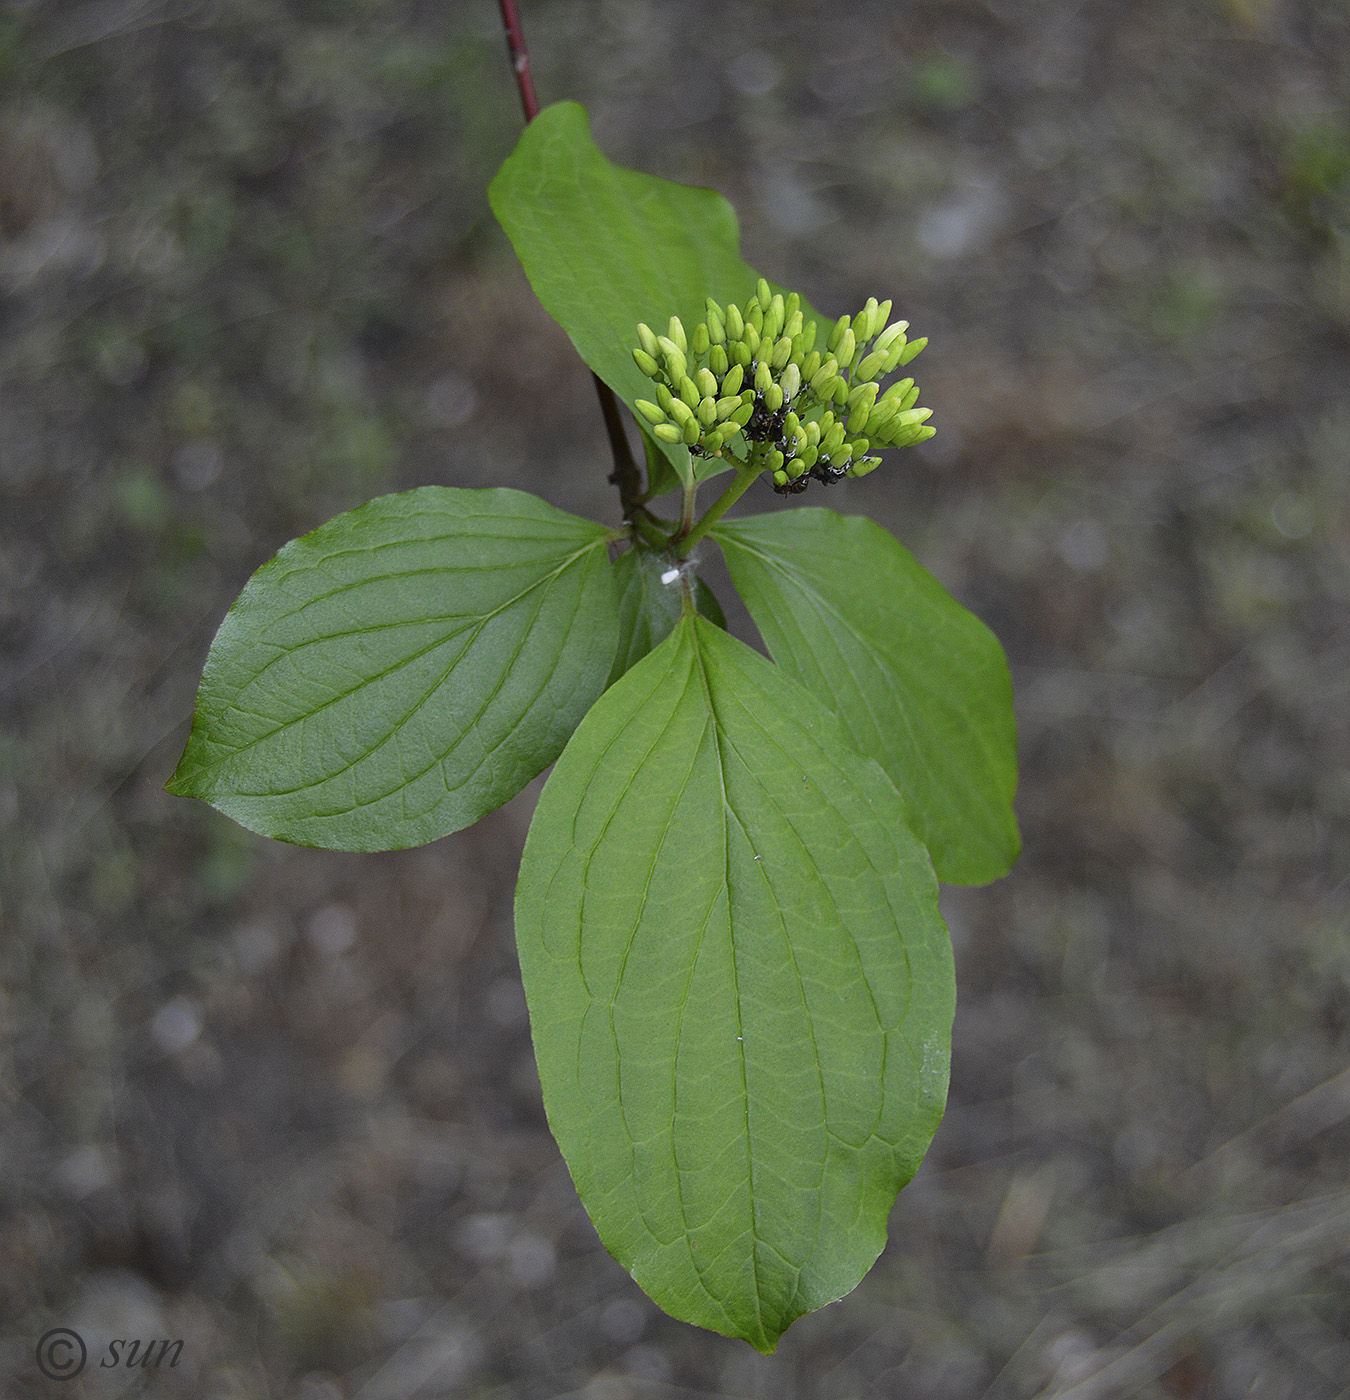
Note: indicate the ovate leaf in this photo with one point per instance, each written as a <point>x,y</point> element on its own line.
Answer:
<point>605,247</point>
<point>921,684</point>
<point>739,985</point>
<point>402,670</point>
<point>651,603</point>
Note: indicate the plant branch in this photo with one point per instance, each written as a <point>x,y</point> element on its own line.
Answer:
<point>739,486</point>
<point>625,474</point>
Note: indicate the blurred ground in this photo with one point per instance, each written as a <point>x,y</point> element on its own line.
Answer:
<point>281,1103</point>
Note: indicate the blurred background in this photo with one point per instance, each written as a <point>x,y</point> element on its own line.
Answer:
<point>280,1103</point>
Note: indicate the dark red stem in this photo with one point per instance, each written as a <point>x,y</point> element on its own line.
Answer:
<point>625,474</point>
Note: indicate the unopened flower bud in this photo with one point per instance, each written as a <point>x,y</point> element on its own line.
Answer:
<point>773,397</point>
<point>653,413</point>
<point>839,393</point>
<point>837,334</point>
<point>663,397</point>
<point>863,327</point>
<point>763,292</point>
<point>676,365</point>
<point>754,315</point>
<point>734,377</point>
<point>676,333</point>
<point>868,464</point>
<point>774,461</point>
<point>707,382</point>
<point>807,457</point>
<point>707,412</point>
<point>735,325</point>
<point>892,333</point>
<point>822,381</point>
<point>808,337</point>
<point>861,410</point>
<point>688,391</point>
<point>693,430</point>
<point>791,380</point>
<point>647,338</point>
<point>717,359</point>
<point>727,406</point>
<point>700,342</point>
<point>846,349</point>
<point>870,364</point>
<point>680,412</point>
<point>792,327</point>
<point>763,376</point>
<point>792,427</point>
<point>742,415</point>
<point>646,364</point>
<point>810,365</point>
<point>751,338</point>
<point>773,317</point>
<point>782,352</point>
<point>913,349</point>
<point>796,467</point>
<point>741,354</point>
<point>668,432</point>
<point>780,477</point>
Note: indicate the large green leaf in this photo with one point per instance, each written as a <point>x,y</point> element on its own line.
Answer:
<point>921,684</point>
<point>740,988</point>
<point>651,602</point>
<point>605,247</point>
<point>402,670</point>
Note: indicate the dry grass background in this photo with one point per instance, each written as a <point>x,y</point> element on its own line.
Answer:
<point>281,1103</point>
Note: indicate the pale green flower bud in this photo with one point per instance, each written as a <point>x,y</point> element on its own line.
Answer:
<point>774,461</point>
<point>863,324</point>
<point>668,432</point>
<point>653,413</point>
<point>781,351</point>
<point>754,315</point>
<point>792,327</point>
<point>807,457</point>
<point>795,468</point>
<point>913,349</point>
<point>812,431</point>
<point>911,416</point>
<point>741,354</point>
<point>742,415</point>
<point>773,397</point>
<point>893,357</point>
<point>822,381</point>
<point>646,364</point>
<point>837,334</point>
<point>676,365</point>
<point>839,394</point>
<point>892,333</point>
<point>846,349</point>
<point>861,410</point>
<point>831,440</point>
<point>925,433</point>
<point>841,454</point>
<point>868,464</point>
<point>707,382</point>
<point>780,477</point>
<point>714,440</point>
<point>676,333</point>
<point>860,393</point>
<point>707,412</point>
<point>896,392</point>
<point>860,445</point>
<point>791,303</point>
<point>792,427</point>
<point>879,424</point>
<point>717,359</point>
<point>727,406</point>
<point>763,376</point>
<point>911,397</point>
<point>808,337</point>
<point>735,324</point>
<point>647,338</point>
<point>680,412</point>
<point>700,341</point>
<point>883,311</point>
<point>751,338</point>
<point>734,378</point>
<point>791,380</point>
<point>763,293</point>
<point>663,397</point>
<point>688,391</point>
<point>773,317</point>
<point>869,365</point>
<point>693,430</point>
<point>810,365</point>
<point>717,326</point>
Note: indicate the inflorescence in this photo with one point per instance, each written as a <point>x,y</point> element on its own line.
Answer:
<point>755,371</point>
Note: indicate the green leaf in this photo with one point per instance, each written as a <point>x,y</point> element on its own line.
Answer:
<point>402,670</point>
<point>740,987</point>
<point>605,247</point>
<point>649,607</point>
<point>921,684</point>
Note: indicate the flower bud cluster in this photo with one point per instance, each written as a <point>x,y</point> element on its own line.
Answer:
<point>756,371</point>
